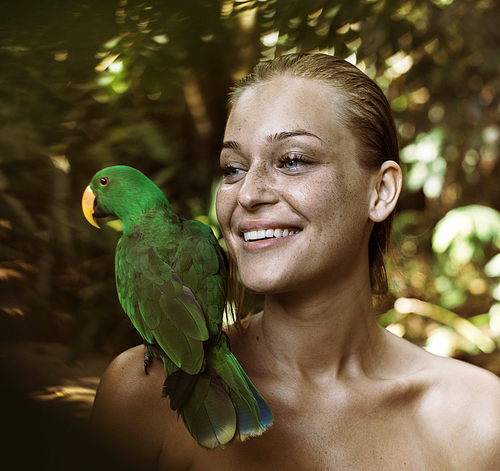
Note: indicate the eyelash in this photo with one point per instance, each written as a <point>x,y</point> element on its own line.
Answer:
<point>229,171</point>
<point>293,157</point>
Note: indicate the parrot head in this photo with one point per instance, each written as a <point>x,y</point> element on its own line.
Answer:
<point>122,192</point>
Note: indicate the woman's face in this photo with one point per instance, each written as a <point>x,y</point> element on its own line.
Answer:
<point>294,203</point>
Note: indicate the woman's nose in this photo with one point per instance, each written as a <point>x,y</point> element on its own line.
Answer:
<point>258,188</point>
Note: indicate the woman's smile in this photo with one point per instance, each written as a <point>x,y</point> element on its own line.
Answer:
<point>260,240</point>
<point>259,234</point>
<point>263,234</point>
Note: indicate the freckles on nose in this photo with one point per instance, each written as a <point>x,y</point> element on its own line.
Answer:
<point>256,188</point>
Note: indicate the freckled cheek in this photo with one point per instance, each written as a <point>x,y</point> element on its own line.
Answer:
<point>225,205</point>
<point>222,208</point>
<point>333,208</point>
<point>307,196</point>
<point>317,201</point>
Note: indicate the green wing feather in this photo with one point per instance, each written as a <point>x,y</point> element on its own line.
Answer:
<point>159,305</point>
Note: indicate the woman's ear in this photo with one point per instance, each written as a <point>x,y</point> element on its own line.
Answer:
<point>385,194</point>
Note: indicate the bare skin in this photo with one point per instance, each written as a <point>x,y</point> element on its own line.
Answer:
<point>346,394</point>
<point>422,413</point>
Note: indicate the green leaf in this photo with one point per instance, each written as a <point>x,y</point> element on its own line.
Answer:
<point>492,268</point>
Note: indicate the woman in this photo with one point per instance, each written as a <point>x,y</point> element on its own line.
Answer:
<point>310,182</point>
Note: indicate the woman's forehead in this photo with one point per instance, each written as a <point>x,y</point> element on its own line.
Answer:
<point>286,85</point>
<point>285,104</point>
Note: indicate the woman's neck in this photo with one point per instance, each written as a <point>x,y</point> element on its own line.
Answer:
<point>320,338</point>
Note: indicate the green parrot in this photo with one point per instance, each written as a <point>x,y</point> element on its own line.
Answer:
<point>171,281</point>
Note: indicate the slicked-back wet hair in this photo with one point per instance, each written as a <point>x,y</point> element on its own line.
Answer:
<point>363,110</point>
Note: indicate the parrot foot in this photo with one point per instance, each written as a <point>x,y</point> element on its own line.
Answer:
<point>152,350</point>
<point>147,359</point>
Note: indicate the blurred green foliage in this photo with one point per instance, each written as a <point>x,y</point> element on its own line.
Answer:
<point>88,84</point>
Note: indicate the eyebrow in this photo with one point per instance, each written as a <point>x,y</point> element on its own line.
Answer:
<point>279,136</point>
<point>231,145</point>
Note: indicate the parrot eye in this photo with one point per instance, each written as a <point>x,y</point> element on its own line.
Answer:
<point>104,181</point>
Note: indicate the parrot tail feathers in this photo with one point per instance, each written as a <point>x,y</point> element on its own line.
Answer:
<point>177,386</point>
<point>250,424</point>
<point>216,411</point>
<point>254,413</point>
<point>218,404</point>
<point>209,414</point>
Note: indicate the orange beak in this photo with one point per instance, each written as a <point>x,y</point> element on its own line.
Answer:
<point>88,206</point>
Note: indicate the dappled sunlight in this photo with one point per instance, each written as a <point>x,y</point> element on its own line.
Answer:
<point>443,332</point>
<point>79,393</point>
<point>426,166</point>
<point>447,299</point>
<point>43,373</point>
<point>465,328</point>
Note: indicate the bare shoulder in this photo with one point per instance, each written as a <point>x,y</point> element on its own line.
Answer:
<point>464,384</point>
<point>125,383</point>
<point>130,416</point>
<point>461,409</point>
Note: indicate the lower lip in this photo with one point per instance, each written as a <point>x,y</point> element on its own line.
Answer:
<point>256,245</point>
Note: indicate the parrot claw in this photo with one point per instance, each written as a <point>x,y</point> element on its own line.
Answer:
<point>147,359</point>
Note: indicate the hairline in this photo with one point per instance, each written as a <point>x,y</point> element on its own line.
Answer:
<point>339,100</point>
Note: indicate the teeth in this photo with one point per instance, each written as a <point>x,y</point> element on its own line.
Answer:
<point>268,234</point>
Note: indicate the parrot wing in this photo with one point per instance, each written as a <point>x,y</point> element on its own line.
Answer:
<point>203,266</point>
<point>159,304</point>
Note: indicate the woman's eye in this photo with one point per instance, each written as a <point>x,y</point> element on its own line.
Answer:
<point>292,161</point>
<point>229,172</point>
<point>291,164</point>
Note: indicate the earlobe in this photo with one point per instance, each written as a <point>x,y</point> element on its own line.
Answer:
<point>385,194</point>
